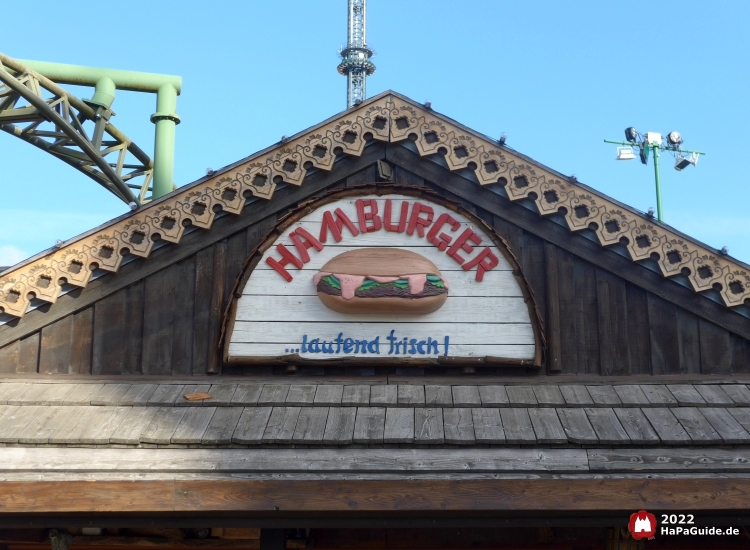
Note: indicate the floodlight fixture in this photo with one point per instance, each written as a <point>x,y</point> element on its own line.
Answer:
<point>625,153</point>
<point>674,139</point>
<point>653,143</point>
<point>503,138</point>
<point>683,162</point>
<point>653,138</point>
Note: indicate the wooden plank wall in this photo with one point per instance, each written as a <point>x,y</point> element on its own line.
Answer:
<point>168,323</point>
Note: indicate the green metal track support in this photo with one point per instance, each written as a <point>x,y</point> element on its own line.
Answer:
<point>70,142</point>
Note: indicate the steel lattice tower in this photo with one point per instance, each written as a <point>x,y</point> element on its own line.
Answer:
<point>355,63</point>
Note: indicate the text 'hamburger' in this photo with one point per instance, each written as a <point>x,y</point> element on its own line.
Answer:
<point>414,217</point>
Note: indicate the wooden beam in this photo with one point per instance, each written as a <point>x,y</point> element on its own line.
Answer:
<point>285,497</point>
<point>190,244</point>
<point>577,244</point>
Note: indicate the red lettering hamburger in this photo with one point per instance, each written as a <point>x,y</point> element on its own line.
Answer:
<point>381,280</point>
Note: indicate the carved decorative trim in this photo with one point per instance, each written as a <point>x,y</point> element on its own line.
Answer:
<point>582,208</point>
<point>388,118</point>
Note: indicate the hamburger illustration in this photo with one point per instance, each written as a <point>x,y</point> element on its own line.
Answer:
<point>381,280</point>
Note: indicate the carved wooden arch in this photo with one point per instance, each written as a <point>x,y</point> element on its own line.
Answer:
<point>384,189</point>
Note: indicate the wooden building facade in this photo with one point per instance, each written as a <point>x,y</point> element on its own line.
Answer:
<point>636,396</point>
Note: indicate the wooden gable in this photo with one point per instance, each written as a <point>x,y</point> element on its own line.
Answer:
<point>146,293</point>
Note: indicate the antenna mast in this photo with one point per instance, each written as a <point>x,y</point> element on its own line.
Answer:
<point>355,63</point>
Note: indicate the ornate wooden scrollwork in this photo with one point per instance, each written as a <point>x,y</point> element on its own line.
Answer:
<point>388,118</point>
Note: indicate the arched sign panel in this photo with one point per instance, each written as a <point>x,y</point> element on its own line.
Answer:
<point>378,277</point>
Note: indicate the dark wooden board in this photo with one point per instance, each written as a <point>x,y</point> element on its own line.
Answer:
<point>686,395</point>
<point>726,425</point>
<point>668,428</point>
<point>613,323</point>
<point>182,318</point>
<point>221,395</point>
<point>577,426</point>
<point>488,425</point>
<point>247,394</point>
<point>714,395</point>
<point>458,424</point>
<point>273,394</point>
<point>688,341</point>
<point>586,316</point>
<point>251,425</point>
<point>639,338</point>
<point>329,395</point>
<point>193,425</point>
<point>350,498</point>
<point>410,395</point>
<point>133,425</point>
<point>311,425</point>
<point>383,395</point>
<point>28,354</point>
<point>493,396</point>
<point>608,428</point>
<point>438,396</point>
<point>118,332</point>
<point>357,395</point>
<point>300,395</point>
<point>552,326</point>
<point>631,395</point>
<point>604,395</point>
<point>548,395</point>
<point>521,396</point>
<point>399,425</point>
<point>167,394</point>
<point>466,396</point>
<point>56,347</point>
<point>163,425</point>
<point>547,426</point>
<point>664,343</point>
<point>83,335</point>
<point>9,357</point>
<point>740,354</point>
<point>340,425</point>
<point>281,425</point>
<point>216,308</point>
<point>369,425</point>
<point>576,395</point>
<point>517,426</point>
<point>716,349</point>
<point>158,314</point>
<point>668,460</point>
<point>637,426</point>
<point>567,298</point>
<point>204,269</point>
<point>658,394</point>
<point>739,393</point>
<point>428,426</point>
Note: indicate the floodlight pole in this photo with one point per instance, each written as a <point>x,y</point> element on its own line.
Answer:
<point>657,175</point>
<point>657,178</point>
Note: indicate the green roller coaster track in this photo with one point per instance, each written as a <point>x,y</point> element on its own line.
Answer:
<point>34,108</point>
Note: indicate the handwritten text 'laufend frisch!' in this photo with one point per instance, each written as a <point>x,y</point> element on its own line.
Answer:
<point>415,216</point>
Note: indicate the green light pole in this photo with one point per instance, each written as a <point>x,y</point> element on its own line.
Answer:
<point>653,141</point>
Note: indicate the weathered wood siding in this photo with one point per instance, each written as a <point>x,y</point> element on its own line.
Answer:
<point>167,321</point>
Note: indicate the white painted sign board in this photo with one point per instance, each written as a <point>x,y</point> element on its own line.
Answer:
<point>281,315</point>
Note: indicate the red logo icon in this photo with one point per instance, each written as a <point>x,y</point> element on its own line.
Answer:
<point>642,525</point>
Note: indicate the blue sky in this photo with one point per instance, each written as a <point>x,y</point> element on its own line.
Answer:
<point>558,77</point>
